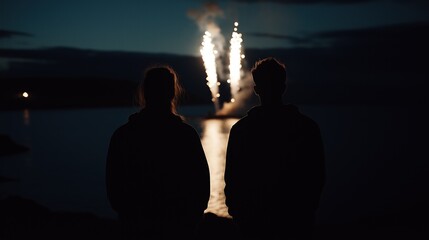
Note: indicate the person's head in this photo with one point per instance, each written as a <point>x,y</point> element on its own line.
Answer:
<point>160,88</point>
<point>269,76</point>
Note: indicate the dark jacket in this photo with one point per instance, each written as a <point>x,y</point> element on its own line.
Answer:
<point>157,172</point>
<point>274,171</point>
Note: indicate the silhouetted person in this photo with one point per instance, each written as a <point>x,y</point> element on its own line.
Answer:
<point>157,173</point>
<point>274,163</point>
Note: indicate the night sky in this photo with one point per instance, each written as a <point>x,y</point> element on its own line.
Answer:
<point>167,26</point>
<point>361,45</point>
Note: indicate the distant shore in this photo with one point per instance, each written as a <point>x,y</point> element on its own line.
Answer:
<point>51,93</point>
<point>55,93</point>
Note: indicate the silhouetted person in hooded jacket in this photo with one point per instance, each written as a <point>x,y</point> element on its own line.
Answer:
<point>157,173</point>
<point>274,163</point>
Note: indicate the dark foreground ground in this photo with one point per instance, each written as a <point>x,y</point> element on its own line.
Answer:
<point>22,218</point>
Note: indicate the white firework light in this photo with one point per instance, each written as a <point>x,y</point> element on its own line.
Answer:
<point>235,57</point>
<point>210,56</point>
<point>208,52</point>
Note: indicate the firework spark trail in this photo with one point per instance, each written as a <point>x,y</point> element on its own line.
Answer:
<point>235,62</point>
<point>208,54</point>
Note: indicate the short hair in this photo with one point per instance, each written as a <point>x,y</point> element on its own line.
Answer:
<point>269,71</point>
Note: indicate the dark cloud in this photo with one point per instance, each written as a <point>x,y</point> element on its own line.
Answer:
<point>291,39</point>
<point>307,1</point>
<point>301,2</point>
<point>398,36</point>
<point>404,34</point>
<point>9,34</point>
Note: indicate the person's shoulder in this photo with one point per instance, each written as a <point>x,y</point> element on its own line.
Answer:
<point>252,118</point>
<point>186,133</point>
<point>304,119</point>
<point>242,124</point>
<point>121,130</point>
<point>124,128</point>
<point>308,122</point>
<point>307,119</point>
<point>185,127</point>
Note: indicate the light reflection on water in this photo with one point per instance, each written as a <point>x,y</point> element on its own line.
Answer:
<point>214,138</point>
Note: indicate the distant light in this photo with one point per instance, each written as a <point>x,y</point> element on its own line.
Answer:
<point>25,94</point>
<point>236,24</point>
